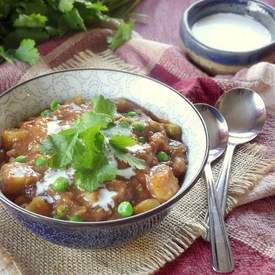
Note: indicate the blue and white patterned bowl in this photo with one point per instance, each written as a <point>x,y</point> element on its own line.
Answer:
<point>216,61</point>
<point>30,97</point>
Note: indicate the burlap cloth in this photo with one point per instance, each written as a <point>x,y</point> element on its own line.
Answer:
<point>142,256</point>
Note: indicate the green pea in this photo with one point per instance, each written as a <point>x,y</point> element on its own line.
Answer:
<point>40,161</point>
<point>21,159</point>
<point>125,209</point>
<point>142,140</point>
<point>162,156</point>
<point>131,114</point>
<point>45,113</point>
<point>138,126</point>
<point>75,218</point>
<point>61,184</point>
<point>54,105</point>
<point>124,124</point>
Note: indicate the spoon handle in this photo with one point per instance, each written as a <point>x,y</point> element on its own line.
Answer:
<point>223,179</point>
<point>222,258</point>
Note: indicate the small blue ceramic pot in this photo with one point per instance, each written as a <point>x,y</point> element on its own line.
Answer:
<point>216,61</point>
<point>31,97</point>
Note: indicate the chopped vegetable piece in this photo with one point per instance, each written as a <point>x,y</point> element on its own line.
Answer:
<point>138,126</point>
<point>131,114</point>
<point>125,209</point>
<point>21,159</point>
<point>61,184</point>
<point>54,105</point>
<point>45,113</point>
<point>39,206</point>
<point>162,156</point>
<point>9,137</point>
<point>162,183</point>
<point>146,205</point>
<point>142,140</point>
<point>75,218</point>
<point>40,161</point>
<point>61,211</point>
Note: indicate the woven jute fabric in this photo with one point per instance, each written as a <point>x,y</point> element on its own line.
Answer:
<point>177,232</point>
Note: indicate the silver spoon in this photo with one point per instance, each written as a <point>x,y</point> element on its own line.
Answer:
<point>222,258</point>
<point>245,113</point>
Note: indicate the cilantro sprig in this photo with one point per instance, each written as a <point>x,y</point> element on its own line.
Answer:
<point>26,23</point>
<point>86,146</point>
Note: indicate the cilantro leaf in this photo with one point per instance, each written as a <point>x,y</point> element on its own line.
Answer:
<point>66,5</point>
<point>90,180</point>
<point>98,6</point>
<point>27,52</point>
<point>91,120</point>
<point>122,35</point>
<point>121,142</point>
<point>128,158</point>
<point>103,105</point>
<point>6,55</point>
<point>87,145</point>
<point>34,20</point>
<point>61,148</point>
<point>74,20</point>
<point>92,152</point>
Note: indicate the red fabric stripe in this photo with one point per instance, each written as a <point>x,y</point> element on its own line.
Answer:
<point>197,260</point>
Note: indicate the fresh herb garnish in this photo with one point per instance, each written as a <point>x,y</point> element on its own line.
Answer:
<point>123,34</point>
<point>86,146</point>
<point>25,23</point>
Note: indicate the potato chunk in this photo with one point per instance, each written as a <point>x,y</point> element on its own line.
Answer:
<point>146,205</point>
<point>14,177</point>
<point>179,166</point>
<point>39,206</point>
<point>162,183</point>
<point>9,137</point>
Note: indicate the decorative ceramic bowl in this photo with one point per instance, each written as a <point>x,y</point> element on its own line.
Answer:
<point>216,61</point>
<point>29,98</point>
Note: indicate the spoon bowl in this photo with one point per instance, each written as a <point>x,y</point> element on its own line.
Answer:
<point>217,130</point>
<point>245,113</point>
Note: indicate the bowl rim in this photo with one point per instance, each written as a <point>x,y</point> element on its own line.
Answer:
<point>185,24</point>
<point>134,218</point>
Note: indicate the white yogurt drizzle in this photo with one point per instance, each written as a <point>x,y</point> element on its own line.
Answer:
<point>126,173</point>
<point>50,176</point>
<point>105,199</point>
<point>21,170</point>
<point>138,148</point>
<point>54,126</point>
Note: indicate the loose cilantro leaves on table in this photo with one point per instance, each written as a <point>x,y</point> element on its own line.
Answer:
<point>87,145</point>
<point>123,34</point>
<point>27,52</point>
<point>31,21</point>
<point>40,20</point>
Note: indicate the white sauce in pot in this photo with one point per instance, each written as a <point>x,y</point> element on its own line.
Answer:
<point>50,176</point>
<point>231,32</point>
